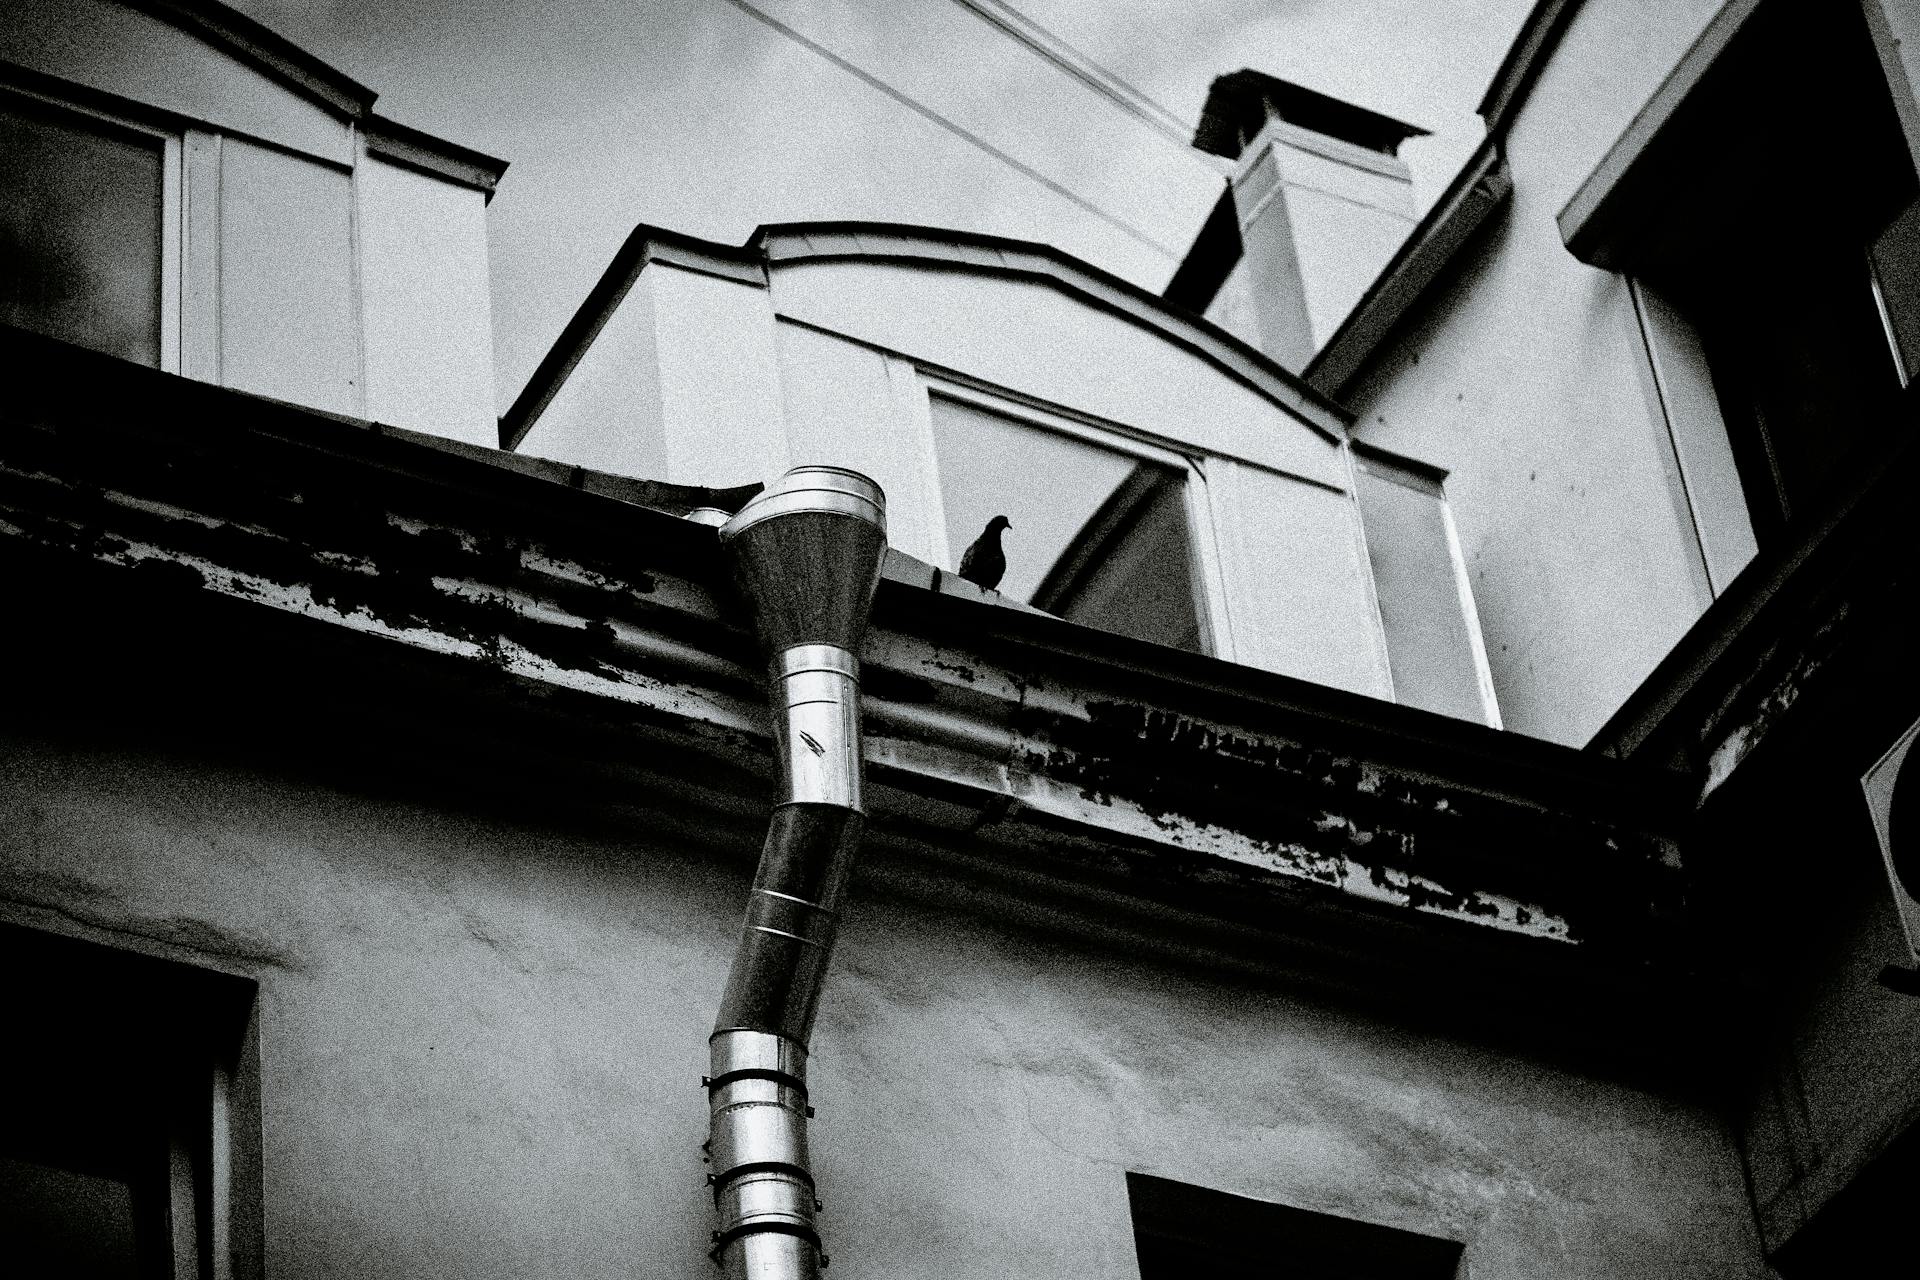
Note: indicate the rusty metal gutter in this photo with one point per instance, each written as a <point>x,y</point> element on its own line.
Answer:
<point>806,557</point>
<point>1172,777</point>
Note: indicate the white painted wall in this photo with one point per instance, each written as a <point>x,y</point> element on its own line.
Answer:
<point>848,405</point>
<point>1299,592</point>
<point>682,383</point>
<point>427,303</point>
<point>709,380</point>
<point>1526,380</point>
<point>719,377</point>
<point>309,271</point>
<point>286,310</point>
<point>607,413</point>
<point>1037,339</point>
<point>1285,526</point>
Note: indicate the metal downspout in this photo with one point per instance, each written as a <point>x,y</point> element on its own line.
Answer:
<point>806,556</point>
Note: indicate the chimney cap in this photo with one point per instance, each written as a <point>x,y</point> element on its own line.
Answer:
<point>1240,103</point>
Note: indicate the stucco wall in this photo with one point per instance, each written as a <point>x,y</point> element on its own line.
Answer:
<point>482,1036</point>
<point>1527,380</point>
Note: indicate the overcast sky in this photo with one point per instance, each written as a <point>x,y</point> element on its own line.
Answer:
<point>691,114</point>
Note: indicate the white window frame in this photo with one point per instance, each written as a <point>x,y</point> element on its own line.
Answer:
<point>172,203</point>
<point>1410,473</point>
<point>1204,565</point>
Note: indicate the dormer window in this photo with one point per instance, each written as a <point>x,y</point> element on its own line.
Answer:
<point>1100,531</point>
<point>84,220</point>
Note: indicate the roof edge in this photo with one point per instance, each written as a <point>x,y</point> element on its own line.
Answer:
<point>266,50</point>
<point>1482,185</point>
<point>1123,716</point>
<point>794,242</point>
<point>416,149</point>
<point>279,58</point>
<point>1538,37</point>
<point>980,251</point>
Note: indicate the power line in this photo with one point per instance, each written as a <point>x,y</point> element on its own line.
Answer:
<point>957,130</point>
<point>1055,50</point>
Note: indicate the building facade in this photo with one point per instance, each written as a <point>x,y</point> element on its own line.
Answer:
<point>381,804</point>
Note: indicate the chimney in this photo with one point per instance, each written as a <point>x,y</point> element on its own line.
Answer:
<point>1317,202</point>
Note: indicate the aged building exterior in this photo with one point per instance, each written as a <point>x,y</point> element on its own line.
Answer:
<point>381,804</point>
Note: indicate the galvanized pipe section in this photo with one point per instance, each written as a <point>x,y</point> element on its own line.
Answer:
<point>806,556</point>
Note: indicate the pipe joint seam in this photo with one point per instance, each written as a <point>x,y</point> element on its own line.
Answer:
<point>806,556</point>
<point>816,727</point>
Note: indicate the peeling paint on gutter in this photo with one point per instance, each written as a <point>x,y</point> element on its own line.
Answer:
<point>1029,739</point>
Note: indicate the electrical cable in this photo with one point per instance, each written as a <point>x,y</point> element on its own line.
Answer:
<point>1052,48</point>
<point>957,130</point>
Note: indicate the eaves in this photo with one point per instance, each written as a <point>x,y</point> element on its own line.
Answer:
<point>1002,744</point>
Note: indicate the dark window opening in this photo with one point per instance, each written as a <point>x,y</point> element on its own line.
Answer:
<point>1782,226</point>
<point>1096,535</point>
<point>1183,1232</point>
<point>80,228</point>
<point>117,1071</point>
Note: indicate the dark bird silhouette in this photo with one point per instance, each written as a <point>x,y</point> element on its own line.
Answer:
<point>984,561</point>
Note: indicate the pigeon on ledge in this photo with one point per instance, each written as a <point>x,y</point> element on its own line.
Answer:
<point>984,561</point>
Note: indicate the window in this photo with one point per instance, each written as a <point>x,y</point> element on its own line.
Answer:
<point>1767,195</point>
<point>1101,527</point>
<point>86,229</point>
<point>124,1153</point>
<point>1183,1232</point>
<point>1426,607</point>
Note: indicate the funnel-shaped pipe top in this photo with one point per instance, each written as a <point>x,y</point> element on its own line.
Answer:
<point>807,553</point>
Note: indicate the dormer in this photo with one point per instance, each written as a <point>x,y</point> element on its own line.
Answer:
<point>188,190</point>
<point>1163,479</point>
